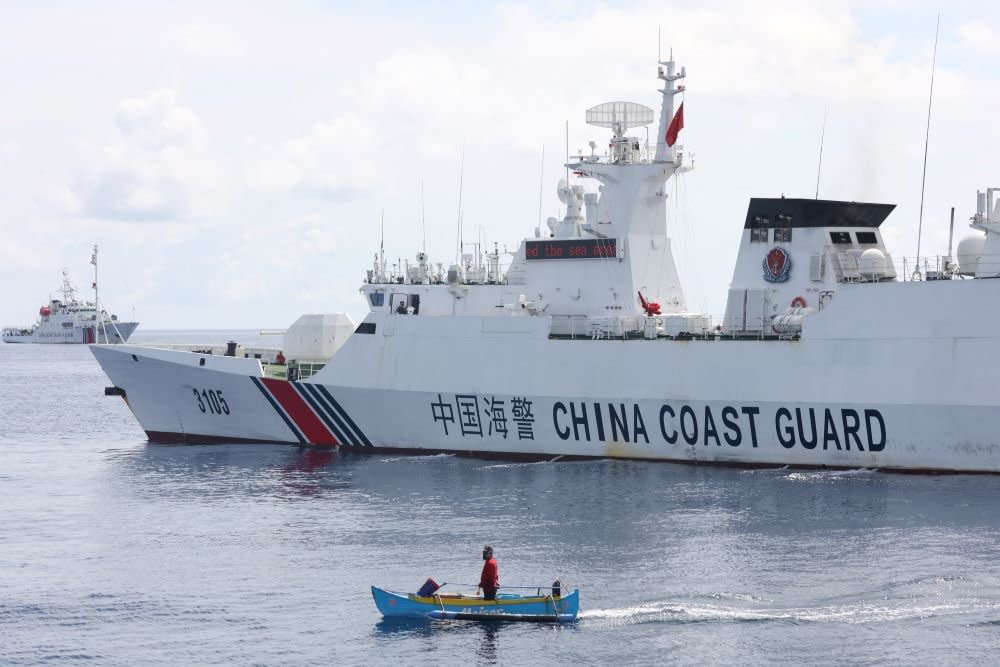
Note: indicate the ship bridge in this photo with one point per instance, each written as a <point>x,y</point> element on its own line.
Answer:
<point>605,266</point>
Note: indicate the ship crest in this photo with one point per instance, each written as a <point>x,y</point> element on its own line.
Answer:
<point>777,265</point>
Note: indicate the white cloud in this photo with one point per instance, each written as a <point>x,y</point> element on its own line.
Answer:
<point>208,42</point>
<point>158,121</point>
<point>337,159</point>
<point>980,36</point>
<point>159,168</point>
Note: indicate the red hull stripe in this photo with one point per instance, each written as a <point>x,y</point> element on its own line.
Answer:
<point>305,419</point>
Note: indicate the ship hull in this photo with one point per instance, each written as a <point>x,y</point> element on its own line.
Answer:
<point>917,404</point>
<point>76,335</point>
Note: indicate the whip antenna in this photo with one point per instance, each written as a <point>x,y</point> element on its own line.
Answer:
<point>927,139</point>
<point>819,167</point>
<point>541,186</point>
<point>461,183</point>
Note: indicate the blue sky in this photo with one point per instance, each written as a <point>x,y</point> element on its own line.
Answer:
<point>233,159</point>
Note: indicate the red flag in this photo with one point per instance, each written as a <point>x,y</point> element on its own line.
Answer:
<point>676,125</point>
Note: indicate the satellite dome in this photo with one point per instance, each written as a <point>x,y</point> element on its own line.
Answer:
<point>969,251</point>
<point>872,264</point>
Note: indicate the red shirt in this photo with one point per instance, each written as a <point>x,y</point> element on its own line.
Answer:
<point>490,578</point>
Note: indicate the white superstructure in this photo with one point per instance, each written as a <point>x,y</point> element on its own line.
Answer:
<point>583,346</point>
<point>72,320</point>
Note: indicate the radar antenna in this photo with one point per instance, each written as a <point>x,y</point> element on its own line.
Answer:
<point>619,117</point>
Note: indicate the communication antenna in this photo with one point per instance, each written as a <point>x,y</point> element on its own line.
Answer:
<point>423,217</point>
<point>951,233</point>
<point>819,167</point>
<point>567,153</point>
<point>927,139</point>
<point>461,183</point>
<point>381,246</point>
<point>541,186</point>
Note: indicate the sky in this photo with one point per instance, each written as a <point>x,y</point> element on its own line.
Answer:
<point>233,160</point>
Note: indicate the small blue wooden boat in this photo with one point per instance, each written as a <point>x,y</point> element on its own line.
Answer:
<point>542,607</point>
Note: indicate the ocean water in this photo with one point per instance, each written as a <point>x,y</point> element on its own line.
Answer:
<point>117,552</point>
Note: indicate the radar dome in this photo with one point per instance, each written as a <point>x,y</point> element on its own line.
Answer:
<point>562,190</point>
<point>970,249</point>
<point>872,264</point>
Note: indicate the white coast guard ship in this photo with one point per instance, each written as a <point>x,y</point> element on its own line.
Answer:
<point>584,347</point>
<point>71,320</point>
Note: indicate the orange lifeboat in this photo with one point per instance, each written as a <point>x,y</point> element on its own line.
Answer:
<point>44,311</point>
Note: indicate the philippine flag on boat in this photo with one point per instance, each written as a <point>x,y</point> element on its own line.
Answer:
<point>676,125</point>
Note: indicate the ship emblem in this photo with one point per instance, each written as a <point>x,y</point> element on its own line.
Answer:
<point>777,265</point>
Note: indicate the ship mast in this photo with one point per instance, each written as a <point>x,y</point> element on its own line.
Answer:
<point>664,153</point>
<point>99,323</point>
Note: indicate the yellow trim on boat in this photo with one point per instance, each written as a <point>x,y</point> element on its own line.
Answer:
<point>463,601</point>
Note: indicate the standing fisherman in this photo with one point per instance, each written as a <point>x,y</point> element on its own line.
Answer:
<point>489,580</point>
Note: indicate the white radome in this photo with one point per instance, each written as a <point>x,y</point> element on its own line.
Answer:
<point>970,250</point>
<point>872,264</point>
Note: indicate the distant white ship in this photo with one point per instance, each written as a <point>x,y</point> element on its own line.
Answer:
<point>70,320</point>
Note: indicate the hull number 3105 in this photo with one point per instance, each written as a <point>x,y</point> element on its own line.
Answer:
<point>210,401</point>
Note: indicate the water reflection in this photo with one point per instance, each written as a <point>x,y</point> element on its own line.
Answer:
<point>487,632</point>
<point>206,471</point>
<point>488,645</point>
<point>404,627</point>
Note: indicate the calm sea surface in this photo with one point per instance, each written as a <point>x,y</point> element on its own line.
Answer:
<point>117,552</point>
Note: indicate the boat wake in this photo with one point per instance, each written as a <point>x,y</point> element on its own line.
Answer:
<point>418,458</point>
<point>799,475</point>
<point>820,475</point>
<point>859,613</point>
<point>521,464</point>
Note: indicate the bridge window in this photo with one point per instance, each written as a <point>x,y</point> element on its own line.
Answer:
<point>758,234</point>
<point>405,304</point>
<point>377,298</point>
<point>782,234</point>
<point>867,238</point>
<point>840,238</point>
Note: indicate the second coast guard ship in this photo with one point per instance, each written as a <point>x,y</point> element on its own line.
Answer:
<point>72,320</point>
<point>584,346</point>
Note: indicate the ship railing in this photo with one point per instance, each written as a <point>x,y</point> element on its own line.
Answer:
<point>571,326</point>
<point>583,327</point>
<point>942,267</point>
<point>937,267</point>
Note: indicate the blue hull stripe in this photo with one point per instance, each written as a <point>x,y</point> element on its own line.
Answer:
<point>281,413</point>
<point>306,392</point>
<point>343,413</point>
<point>329,416</point>
<point>355,438</point>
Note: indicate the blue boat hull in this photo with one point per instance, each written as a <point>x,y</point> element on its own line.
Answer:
<point>507,607</point>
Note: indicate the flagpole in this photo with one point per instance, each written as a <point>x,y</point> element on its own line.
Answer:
<point>99,322</point>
